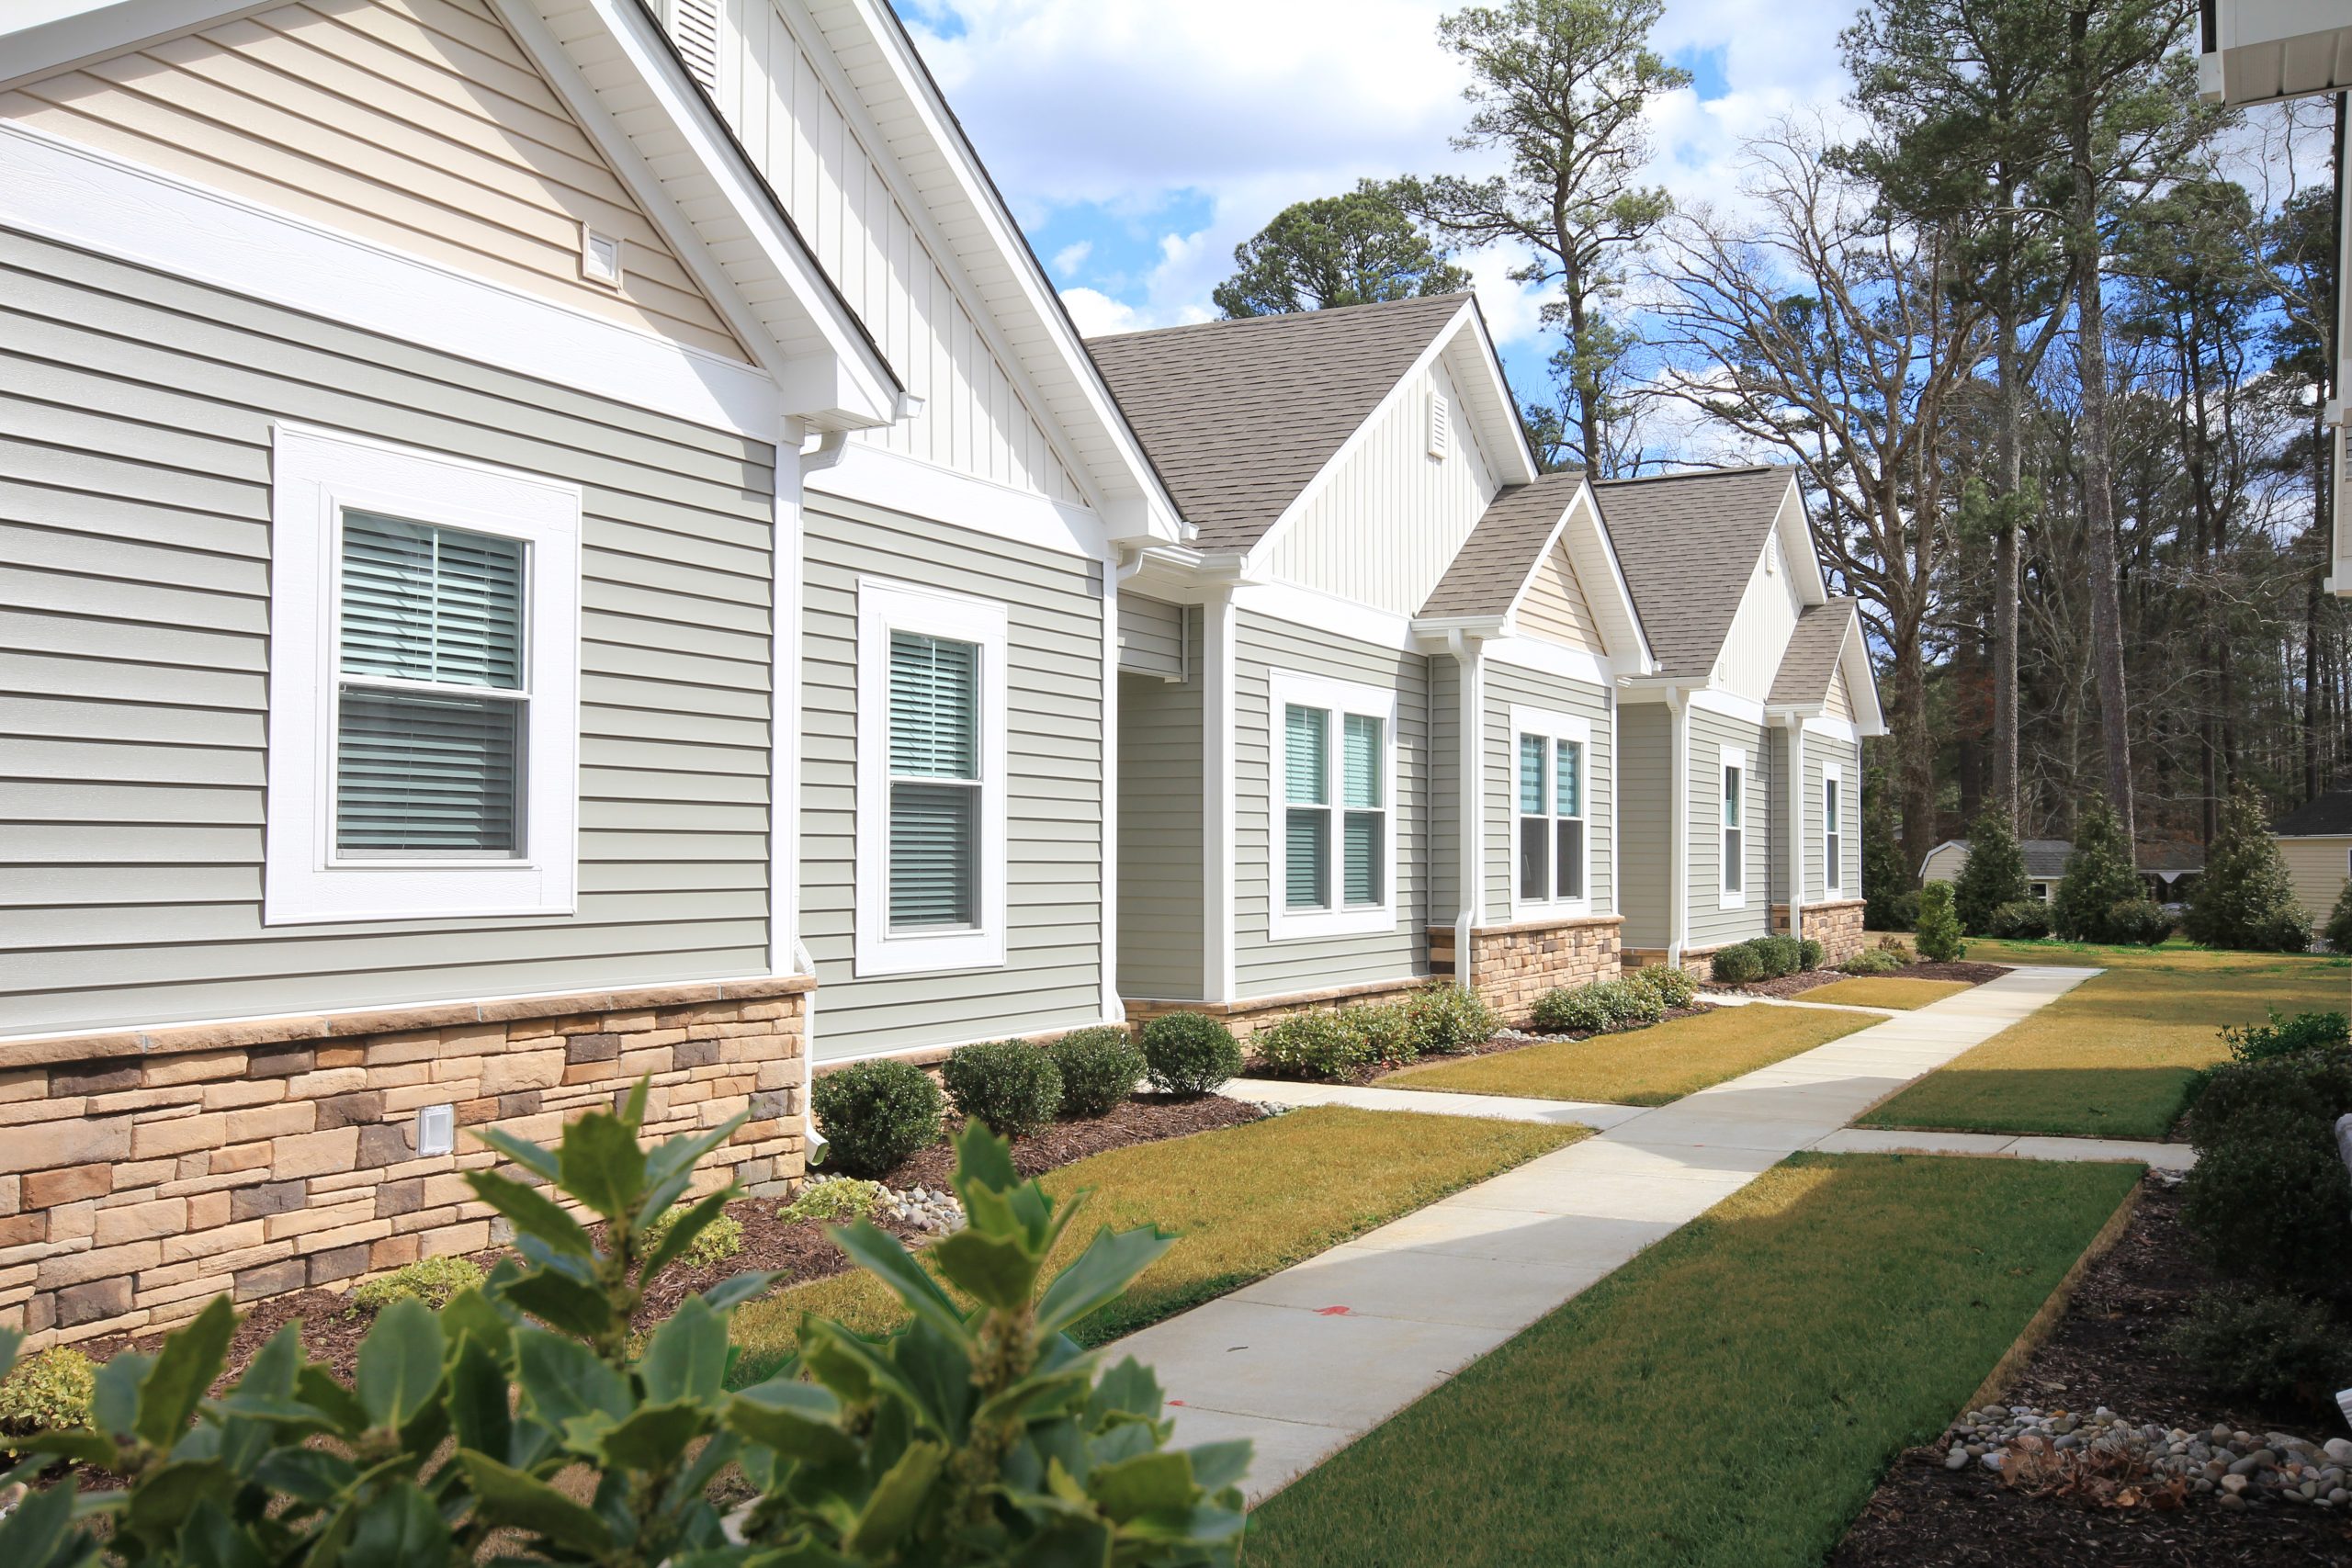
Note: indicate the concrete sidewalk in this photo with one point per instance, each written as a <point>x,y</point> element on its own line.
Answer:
<point>1307,1361</point>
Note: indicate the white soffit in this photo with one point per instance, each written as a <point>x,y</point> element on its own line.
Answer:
<point>2260,51</point>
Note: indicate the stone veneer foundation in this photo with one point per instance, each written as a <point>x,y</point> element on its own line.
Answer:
<point>1512,965</point>
<point>150,1170</point>
<point>1837,927</point>
<point>1246,1018</point>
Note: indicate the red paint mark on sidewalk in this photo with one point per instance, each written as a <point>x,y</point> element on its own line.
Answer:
<point>1332,1311</point>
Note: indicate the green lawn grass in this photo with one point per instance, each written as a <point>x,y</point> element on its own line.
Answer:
<point>1245,1201</point>
<point>1885,991</point>
<point>1643,1067</point>
<point>2115,1057</point>
<point>1731,1396</point>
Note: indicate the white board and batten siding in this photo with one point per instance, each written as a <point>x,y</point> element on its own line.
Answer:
<point>1508,685</point>
<point>863,216</point>
<point>1263,967</point>
<point>1711,924</point>
<point>1384,524</point>
<point>1052,976</point>
<point>1760,631</point>
<point>135,414</point>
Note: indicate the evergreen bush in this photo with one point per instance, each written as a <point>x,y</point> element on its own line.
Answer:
<point>1735,966</point>
<point>1597,1008</point>
<point>2271,1345</point>
<point>2243,900</point>
<point>1783,955</point>
<point>2269,1196</point>
<point>1995,874</point>
<point>432,1280</point>
<point>1386,1031</point>
<point>2339,922</point>
<point>1871,961</point>
<point>1810,954</point>
<point>1188,1053</point>
<point>1449,1018</point>
<point>2099,876</point>
<point>1888,874</point>
<point>2280,1036</point>
<point>1322,1047</point>
<point>47,1392</point>
<point>1673,987</point>
<point>875,1115</point>
<point>1099,1068</point>
<point>840,1199</point>
<point>2028,920</point>
<point>1013,1088</point>
<point>2137,922</point>
<point>1940,941</point>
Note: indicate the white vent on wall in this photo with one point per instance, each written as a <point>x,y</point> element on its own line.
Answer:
<point>600,257</point>
<point>693,27</point>
<point>436,1128</point>
<point>1440,424</point>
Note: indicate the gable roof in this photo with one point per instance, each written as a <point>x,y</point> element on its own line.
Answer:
<point>1689,544</point>
<point>1239,416</point>
<point>2325,817</point>
<point>1809,661</point>
<point>1509,540</point>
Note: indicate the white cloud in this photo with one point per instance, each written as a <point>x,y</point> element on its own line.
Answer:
<point>1099,315</point>
<point>1070,257</point>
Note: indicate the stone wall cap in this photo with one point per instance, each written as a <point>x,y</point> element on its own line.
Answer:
<point>1288,999</point>
<point>1557,924</point>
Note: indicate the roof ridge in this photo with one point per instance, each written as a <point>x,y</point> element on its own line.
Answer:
<point>1703,474</point>
<point>1229,323</point>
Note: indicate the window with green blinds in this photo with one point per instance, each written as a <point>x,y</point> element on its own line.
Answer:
<point>431,693</point>
<point>1312,819</point>
<point>1362,836</point>
<point>1306,790</point>
<point>1551,818</point>
<point>934,744</point>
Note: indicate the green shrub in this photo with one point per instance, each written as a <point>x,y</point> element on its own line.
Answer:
<point>2243,900</point>
<point>2098,876</point>
<point>931,1444</point>
<point>2268,1196</point>
<point>1811,955</point>
<point>2339,922</point>
<point>1015,1088</point>
<point>2271,1345</point>
<point>1871,961</point>
<point>2139,923</point>
<point>1993,875</point>
<point>1940,941</point>
<point>1318,1045</point>
<point>1099,1068</point>
<point>838,1199</point>
<point>1447,1020</point>
<point>1783,955</point>
<point>432,1280</point>
<point>1889,875</point>
<point>1386,1031</point>
<point>719,1240</point>
<point>47,1392</point>
<point>2284,1036</point>
<point>1673,987</point>
<point>1188,1053</point>
<point>1735,966</point>
<point>875,1115</point>
<point>2028,920</point>
<point>1598,1008</point>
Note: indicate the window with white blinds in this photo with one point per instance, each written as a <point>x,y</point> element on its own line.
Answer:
<point>1332,785</point>
<point>1550,787</point>
<point>931,780</point>
<point>1833,832</point>
<point>431,700</point>
<point>424,747</point>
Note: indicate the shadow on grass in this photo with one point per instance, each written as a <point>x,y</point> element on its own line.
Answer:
<point>2083,1102</point>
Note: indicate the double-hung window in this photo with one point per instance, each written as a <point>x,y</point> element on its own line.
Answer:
<point>1833,832</point>
<point>931,780</point>
<point>424,685</point>
<point>1331,816</point>
<point>1550,789</point>
<point>1733,816</point>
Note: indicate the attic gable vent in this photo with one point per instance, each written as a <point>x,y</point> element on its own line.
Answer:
<point>1440,424</point>
<point>693,27</point>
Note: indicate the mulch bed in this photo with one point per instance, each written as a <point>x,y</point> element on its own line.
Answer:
<point>798,1251</point>
<point>1796,985</point>
<point>2108,1350</point>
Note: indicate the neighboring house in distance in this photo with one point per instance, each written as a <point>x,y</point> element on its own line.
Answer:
<point>1741,764</point>
<point>2315,840</point>
<point>1305,816</point>
<point>2166,869</point>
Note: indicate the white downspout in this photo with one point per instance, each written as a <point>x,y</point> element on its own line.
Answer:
<point>1470,878</point>
<point>1678,908</point>
<point>1124,563</point>
<point>1796,827</point>
<point>1216,796</point>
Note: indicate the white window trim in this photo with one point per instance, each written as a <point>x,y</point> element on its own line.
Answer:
<point>883,606</point>
<point>1734,757</point>
<point>1553,726</point>
<point>316,475</point>
<point>1285,689</point>
<point>1833,871</point>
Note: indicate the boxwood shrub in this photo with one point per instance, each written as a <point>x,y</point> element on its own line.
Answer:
<point>1099,1068</point>
<point>1598,1008</point>
<point>2027,920</point>
<point>1736,964</point>
<point>1010,1087</point>
<point>1188,1053</point>
<point>1810,954</point>
<point>1674,987</point>
<point>875,1115</point>
<point>2269,1196</point>
<point>1447,1020</point>
<point>1320,1045</point>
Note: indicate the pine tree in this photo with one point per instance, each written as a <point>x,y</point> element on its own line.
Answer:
<point>1995,873</point>
<point>2099,875</point>
<point>2244,900</point>
<point>1886,871</point>
<point>1940,935</point>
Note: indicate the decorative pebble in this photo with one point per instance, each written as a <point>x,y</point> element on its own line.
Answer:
<point>2236,1469</point>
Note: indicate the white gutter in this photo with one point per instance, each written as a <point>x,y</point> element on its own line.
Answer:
<point>1123,564</point>
<point>1216,794</point>
<point>1678,906</point>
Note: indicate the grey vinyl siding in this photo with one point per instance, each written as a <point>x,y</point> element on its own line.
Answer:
<point>1644,784</point>
<point>135,424</point>
<point>1263,967</point>
<point>1508,684</point>
<point>1151,637</point>
<point>1054,857</point>
<point>1820,752</point>
<point>1162,890</point>
<point>1445,789</point>
<point>1785,805</point>
<point>1711,924</point>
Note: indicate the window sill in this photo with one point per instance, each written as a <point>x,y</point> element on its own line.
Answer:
<point>940,955</point>
<point>1732,901</point>
<point>1524,911</point>
<point>1305,925</point>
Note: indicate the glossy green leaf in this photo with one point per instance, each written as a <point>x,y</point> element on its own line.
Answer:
<point>890,1511</point>
<point>400,1529</point>
<point>995,1270</point>
<point>534,1212</point>
<point>1100,1275</point>
<point>114,1401</point>
<point>797,1420</point>
<point>601,1163</point>
<point>470,1314</point>
<point>310,1475</point>
<point>335,1402</point>
<point>687,1356</point>
<point>212,1540</point>
<point>399,1364</point>
<point>564,1381</point>
<point>736,1289</point>
<point>563,1304</point>
<point>168,1494</point>
<point>1147,1483</point>
<point>881,1253</point>
<point>1216,1466</point>
<point>539,1162</point>
<point>1127,1388</point>
<point>656,1435</point>
<point>40,1533</point>
<point>478,1405</point>
<point>82,1448</point>
<point>1066,1543</point>
<point>507,1496</point>
<point>191,1359</point>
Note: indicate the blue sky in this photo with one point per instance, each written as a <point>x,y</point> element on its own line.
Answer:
<point>1139,140</point>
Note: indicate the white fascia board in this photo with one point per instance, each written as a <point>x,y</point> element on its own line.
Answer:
<point>1729,705</point>
<point>893,481</point>
<point>1159,520</point>
<point>1796,545</point>
<point>1551,659</point>
<point>1861,680</point>
<point>1594,556</point>
<point>38,37</point>
<point>603,37</point>
<point>1329,613</point>
<point>1517,464</point>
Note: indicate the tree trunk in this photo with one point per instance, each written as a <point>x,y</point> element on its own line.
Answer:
<point>2005,564</point>
<point>2098,494</point>
<point>1914,758</point>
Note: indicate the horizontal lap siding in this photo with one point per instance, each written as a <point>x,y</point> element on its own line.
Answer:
<point>1161,871</point>
<point>1263,967</point>
<point>1445,789</point>
<point>2318,868</point>
<point>1508,684</point>
<point>1711,924</point>
<point>1052,976</point>
<point>1820,752</point>
<point>1151,637</point>
<point>1645,764</point>
<point>1787,805</point>
<point>135,414</point>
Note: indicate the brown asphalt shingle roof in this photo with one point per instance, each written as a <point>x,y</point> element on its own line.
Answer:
<point>2319,817</point>
<point>1811,658</point>
<point>1688,544</point>
<point>1494,562</point>
<point>1237,416</point>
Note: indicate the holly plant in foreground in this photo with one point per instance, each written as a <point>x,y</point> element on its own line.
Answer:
<point>525,1421</point>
